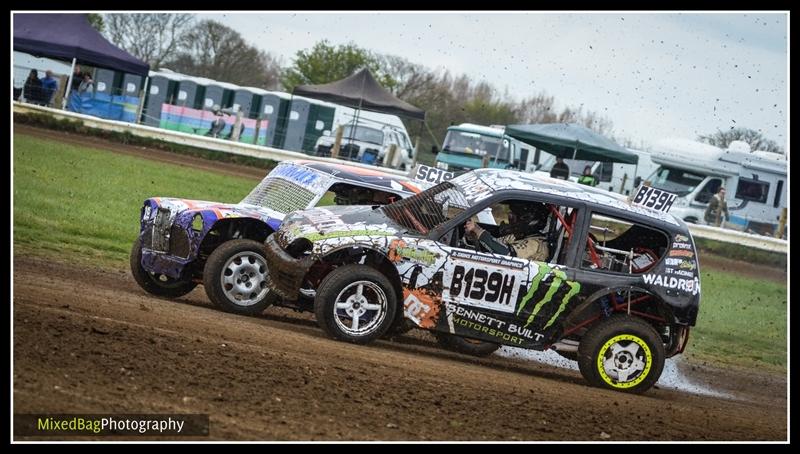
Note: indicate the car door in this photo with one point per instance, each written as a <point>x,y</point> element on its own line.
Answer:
<point>505,299</point>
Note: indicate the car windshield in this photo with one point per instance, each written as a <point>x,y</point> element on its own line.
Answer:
<point>288,188</point>
<point>428,209</point>
<point>363,134</point>
<point>676,181</point>
<point>473,143</point>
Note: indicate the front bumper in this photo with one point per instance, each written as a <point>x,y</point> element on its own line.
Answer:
<point>286,273</point>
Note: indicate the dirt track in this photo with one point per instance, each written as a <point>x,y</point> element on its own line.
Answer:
<point>87,340</point>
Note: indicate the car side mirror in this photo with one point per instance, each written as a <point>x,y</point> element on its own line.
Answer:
<point>434,149</point>
<point>637,181</point>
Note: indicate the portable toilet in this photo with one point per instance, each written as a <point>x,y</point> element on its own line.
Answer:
<point>296,117</point>
<point>320,118</point>
<point>276,111</point>
<point>162,91</point>
<point>131,85</point>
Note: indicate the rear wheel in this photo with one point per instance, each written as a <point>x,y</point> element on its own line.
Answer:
<point>235,277</point>
<point>464,345</point>
<point>155,283</point>
<point>622,353</point>
<point>355,303</point>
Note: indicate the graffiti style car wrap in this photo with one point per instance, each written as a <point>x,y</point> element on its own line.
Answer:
<point>178,236</point>
<point>650,273</point>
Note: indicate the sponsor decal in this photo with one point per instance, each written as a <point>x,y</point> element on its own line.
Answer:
<point>474,188</point>
<point>316,236</point>
<point>683,264</point>
<point>558,278</point>
<point>670,282</point>
<point>508,332</point>
<point>489,259</point>
<point>654,198</point>
<point>682,238</point>
<point>299,175</point>
<point>420,307</point>
<point>399,250</point>
<point>679,272</point>
<point>677,245</point>
<point>147,211</point>
<point>680,253</point>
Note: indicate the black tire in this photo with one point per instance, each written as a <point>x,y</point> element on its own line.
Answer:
<point>157,284</point>
<point>235,278</point>
<point>599,342</point>
<point>343,283</point>
<point>472,347</point>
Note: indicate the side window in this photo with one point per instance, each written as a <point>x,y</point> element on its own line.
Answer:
<point>348,194</point>
<point>711,188</point>
<point>753,190</point>
<point>526,229</point>
<point>622,246</point>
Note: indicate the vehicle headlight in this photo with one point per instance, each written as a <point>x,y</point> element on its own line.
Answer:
<point>197,222</point>
<point>441,165</point>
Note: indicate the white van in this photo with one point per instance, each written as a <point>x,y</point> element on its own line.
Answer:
<point>755,182</point>
<point>370,140</point>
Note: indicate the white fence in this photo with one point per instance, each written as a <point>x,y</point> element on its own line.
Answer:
<point>276,154</point>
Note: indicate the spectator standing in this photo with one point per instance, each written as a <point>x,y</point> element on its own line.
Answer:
<point>49,86</point>
<point>86,84</point>
<point>560,169</point>
<point>716,207</point>
<point>32,91</point>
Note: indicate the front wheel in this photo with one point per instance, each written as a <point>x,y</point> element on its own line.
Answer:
<point>154,283</point>
<point>622,353</point>
<point>464,345</point>
<point>355,303</point>
<point>235,278</point>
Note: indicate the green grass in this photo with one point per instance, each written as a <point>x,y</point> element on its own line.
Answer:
<point>86,202</point>
<point>80,204</point>
<point>742,321</point>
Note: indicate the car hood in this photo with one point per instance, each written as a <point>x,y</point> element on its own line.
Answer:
<point>215,210</point>
<point>318,224</point>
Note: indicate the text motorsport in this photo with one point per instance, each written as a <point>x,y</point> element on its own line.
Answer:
<point>133,424</point>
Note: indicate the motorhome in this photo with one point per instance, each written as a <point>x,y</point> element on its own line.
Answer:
<point>755,182</point>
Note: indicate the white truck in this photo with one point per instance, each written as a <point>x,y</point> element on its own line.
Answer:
<point>755,182</point>
<point>369,140</point>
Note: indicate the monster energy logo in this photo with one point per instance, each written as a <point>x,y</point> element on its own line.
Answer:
<point>559,278</point>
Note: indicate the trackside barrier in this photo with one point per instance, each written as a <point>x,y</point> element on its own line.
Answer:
<point>256,151</point>
<point>182,138</point>
<point>745,239</point>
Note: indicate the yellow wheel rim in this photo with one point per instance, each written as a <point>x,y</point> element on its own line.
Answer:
<point>624,361</point>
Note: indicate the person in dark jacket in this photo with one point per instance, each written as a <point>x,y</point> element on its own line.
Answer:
<point>33,88</point>
<point>560,169</point>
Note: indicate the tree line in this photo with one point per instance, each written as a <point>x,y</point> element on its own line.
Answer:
<point>213,50</point>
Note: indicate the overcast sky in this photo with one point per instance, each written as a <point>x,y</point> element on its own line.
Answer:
<point>654,75</point>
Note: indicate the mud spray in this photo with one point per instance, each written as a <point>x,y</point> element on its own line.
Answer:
<point>671,377</point>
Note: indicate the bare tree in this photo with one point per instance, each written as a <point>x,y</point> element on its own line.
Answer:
<point>153,38</point>
<point>755,139</point>
<point>216,51</point>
